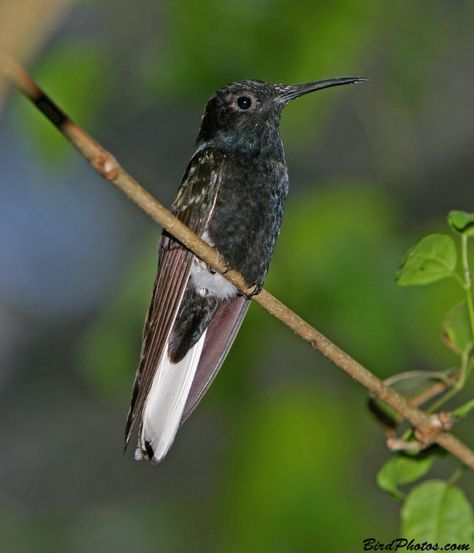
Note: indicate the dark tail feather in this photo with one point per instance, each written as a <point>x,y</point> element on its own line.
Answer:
<point>220,335</point>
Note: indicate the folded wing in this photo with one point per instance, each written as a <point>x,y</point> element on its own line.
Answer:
<point>165,392</point>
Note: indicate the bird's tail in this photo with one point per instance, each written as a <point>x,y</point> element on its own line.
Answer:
<point>165,403</point>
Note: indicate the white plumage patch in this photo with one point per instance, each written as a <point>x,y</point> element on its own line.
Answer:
<point>207,283</point>
<point>210,284</point>
<point>166,401</point>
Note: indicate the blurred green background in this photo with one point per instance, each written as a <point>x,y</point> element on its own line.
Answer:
<point>281,455</point>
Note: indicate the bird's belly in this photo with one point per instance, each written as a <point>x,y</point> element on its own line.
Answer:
<point>247,243</point>
<point>247,215</point>
<point>208,283</point>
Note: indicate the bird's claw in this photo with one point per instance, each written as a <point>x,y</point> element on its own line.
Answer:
<point>256,290</point>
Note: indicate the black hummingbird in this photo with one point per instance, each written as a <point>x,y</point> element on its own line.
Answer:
<point>232,195</point>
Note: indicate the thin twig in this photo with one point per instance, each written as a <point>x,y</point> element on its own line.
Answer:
<point>429,427</point>
<point>434,390</point>
<point>391,421</point>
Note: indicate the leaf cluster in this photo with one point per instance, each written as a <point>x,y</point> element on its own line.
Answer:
<point>437,510</point>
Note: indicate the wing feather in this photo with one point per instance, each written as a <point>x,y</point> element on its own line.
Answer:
<point>168,289</point>
<point>193,205</point>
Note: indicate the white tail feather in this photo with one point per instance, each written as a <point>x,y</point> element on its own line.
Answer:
<point>165,403</point>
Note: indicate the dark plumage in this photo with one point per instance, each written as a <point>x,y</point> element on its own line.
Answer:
<point>232,195</point>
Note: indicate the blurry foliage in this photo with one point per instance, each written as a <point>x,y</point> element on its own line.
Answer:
<point>266,40</point>
<point>105,353</point>
<point>344,237</point>
<point>335,256</point>
<point>275,496</point>
<point>73,74</point>
<point>258,40</point>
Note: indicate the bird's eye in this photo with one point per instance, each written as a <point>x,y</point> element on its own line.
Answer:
<point>244,102</point>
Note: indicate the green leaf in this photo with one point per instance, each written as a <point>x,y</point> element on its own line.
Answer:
<point>456,329</point>
<point>462,222</point>
<point>402,470</point>
<point>437,512</point>
<point>432,259</point>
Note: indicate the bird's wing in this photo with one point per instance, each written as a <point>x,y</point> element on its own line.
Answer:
<point>193,205</point>
<point>220,335</point>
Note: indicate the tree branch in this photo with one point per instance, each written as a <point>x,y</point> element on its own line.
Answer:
<point>430,428</point>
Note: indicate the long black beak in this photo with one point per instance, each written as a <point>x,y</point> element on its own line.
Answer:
<point>289,92</point>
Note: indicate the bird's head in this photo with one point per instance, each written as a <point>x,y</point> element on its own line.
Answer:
<point>244,111</point>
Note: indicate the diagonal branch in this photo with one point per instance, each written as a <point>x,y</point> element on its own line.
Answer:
<point>430,428</point>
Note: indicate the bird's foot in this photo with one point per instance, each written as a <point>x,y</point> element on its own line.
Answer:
<point>227,269</point>
<point>257,288</point>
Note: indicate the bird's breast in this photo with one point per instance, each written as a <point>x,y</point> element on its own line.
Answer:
<point>246,219</point>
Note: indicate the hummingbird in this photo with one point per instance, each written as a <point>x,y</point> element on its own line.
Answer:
<point>232,195</point>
